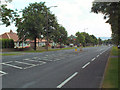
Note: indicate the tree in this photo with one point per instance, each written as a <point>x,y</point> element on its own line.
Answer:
<point>111,11</point>
<point>36,20</point>
<point>30,26</point>
<point>80,38</point>
<point>94,40</point>
<point>60,35</point>
<point>99,41</point>
<point>87,37</point>
<point>71,39</point>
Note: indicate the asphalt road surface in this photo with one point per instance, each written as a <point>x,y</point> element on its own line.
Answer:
<point>56,69</point>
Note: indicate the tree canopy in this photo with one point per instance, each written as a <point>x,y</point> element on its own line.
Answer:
<point>111,11</point>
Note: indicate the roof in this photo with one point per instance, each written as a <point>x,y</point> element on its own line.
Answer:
<point>14,36</point>
<point>10,35</point>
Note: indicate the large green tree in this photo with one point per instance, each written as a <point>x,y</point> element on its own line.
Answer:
<point>80,38</point>
<point>94,40</point>
<point>60,35</point>
<point>36,20</point>
<point>111,11</point>
<point>87,37</point>
<point>30,25</point>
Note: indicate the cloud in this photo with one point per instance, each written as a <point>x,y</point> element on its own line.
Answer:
<point>74,15</point>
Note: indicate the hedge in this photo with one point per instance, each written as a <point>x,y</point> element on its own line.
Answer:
<point>7,43</point>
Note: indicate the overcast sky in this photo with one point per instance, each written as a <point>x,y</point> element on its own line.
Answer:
<point>74,15</point>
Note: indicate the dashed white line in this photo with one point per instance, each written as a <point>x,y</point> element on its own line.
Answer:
<point>86,65</point>
<point>98,55</point>
<point>63,83</point>
<point>93,59</point>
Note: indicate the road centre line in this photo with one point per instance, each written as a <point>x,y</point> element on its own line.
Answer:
<point>98,55</point>
<point>67,80</point>
<point>86,65</point>
<point>12,66</point>
<point>93,59</point>
<point>24,63</point>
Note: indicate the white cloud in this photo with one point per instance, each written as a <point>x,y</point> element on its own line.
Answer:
<point>74,15</point>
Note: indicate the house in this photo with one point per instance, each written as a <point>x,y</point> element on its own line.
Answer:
<point>23,44</point>
<point>14,36</point>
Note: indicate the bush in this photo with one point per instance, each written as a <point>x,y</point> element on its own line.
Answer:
<point>7,43</point>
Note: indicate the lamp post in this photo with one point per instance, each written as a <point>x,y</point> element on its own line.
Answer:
<point>47,26</point>
<point>85,29</point>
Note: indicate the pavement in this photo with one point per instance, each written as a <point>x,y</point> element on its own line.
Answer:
<point>56,69</point>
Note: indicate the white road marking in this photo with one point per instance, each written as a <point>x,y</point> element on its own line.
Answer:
<point>26,59</point>
<point>93,59</point>
<point>57,59</point>
<point>35,57</point>
<point>34,65</point>
<point>86,65</point>
<point>12,66</point>
<point>98,55</point>
<point>24,63</point>
<point>67,80</point>
<point>32,60</point>
<point>2,73</point>
<point>6,62</point>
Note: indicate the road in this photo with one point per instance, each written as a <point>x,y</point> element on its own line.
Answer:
<point>55,69</point>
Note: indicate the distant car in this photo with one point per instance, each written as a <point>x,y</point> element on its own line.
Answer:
<point>118,46</point>
<point>71,45</point>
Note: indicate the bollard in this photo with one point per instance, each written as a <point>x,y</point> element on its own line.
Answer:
<point>75,48</point>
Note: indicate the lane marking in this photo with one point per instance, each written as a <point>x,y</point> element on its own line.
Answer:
<point>24,63</point>
<point>93,59</point>
<point>67,80</point>
<point>2,73</point>
<point>35,57</point>
<point>98,55</point>
<point>33,60</point>
<point>86,65</point>
<point>6,62</point>
<point>12,66</point>
<point>26,59</point>
<point>34,65</point>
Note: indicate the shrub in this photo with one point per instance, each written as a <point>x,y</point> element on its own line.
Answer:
<point>7,43</point>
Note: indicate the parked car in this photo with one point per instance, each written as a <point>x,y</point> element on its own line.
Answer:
<point>119,46</point>
<point>71,45</point>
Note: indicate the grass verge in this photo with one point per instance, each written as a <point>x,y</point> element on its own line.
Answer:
<point>111,73</point>
<point>10,54</point>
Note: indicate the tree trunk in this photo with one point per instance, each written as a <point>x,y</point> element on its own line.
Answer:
<point>35,43</point>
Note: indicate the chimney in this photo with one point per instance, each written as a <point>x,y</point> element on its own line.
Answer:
<point>11,31</point>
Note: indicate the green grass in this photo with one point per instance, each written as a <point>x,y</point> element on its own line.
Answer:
<point>111,74</point>
<point>44,50</point>
<point>9,54</point>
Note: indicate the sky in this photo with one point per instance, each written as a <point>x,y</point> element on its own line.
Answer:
<point>74,15</point>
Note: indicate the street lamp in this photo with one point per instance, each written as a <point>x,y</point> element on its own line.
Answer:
<point>85,29</point>
<point>47,25</point>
